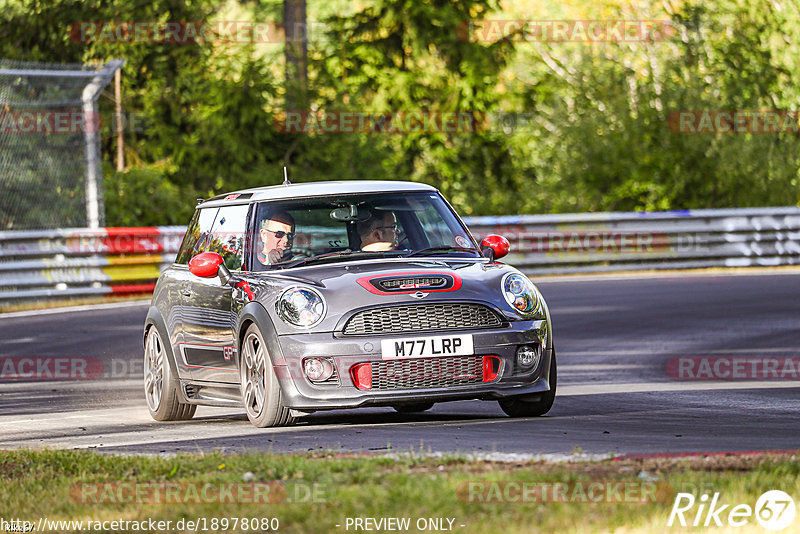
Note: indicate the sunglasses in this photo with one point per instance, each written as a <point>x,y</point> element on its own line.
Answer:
<point>392,227</point>
<point>280,234</point>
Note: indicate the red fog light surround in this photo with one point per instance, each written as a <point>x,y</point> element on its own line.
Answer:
<point>362,375</point>
<point>491,368</point>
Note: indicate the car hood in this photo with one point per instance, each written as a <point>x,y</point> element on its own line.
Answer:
<point>349,286</point>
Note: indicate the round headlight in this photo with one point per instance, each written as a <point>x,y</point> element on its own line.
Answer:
<point>521,294</point>
<point>301,306</point>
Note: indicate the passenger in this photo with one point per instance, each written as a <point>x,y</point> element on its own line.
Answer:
<point>379,232</point>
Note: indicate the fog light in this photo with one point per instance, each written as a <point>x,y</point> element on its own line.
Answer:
<point>318,369</point>
<point>528,356</point>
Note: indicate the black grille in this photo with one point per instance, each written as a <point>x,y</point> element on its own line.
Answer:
<point>414,282</point>
<point>421,318</point>
<point>427,373</point>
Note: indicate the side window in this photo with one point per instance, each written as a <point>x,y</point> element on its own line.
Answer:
<point>197,235</point>
<point>227,235</point>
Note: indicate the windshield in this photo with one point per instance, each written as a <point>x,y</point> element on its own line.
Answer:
<point>290,233</point>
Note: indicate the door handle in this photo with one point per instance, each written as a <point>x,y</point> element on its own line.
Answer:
<point>186,292</point>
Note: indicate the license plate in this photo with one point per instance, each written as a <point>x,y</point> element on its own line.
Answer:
<point>421,347</point>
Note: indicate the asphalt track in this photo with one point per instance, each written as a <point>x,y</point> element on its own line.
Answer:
<point>614,336</point>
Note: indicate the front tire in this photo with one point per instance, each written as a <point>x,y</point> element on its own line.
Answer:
<point>160,387</point>
<point>261,394</point>
<point>518,407</point>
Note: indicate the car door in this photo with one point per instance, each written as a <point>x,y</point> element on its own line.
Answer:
<point>177,280</point>
<point>208,347</point>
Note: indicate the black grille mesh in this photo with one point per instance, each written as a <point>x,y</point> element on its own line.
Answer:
<point>421,318</point>
<point>397,284</point>
<point>427,373</point>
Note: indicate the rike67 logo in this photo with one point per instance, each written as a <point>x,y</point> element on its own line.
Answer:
<point>774,510</point>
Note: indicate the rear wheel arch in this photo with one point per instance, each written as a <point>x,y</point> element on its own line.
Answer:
<point>161,385</point>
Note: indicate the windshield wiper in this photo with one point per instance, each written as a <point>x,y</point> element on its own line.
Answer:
<point>439,249</point>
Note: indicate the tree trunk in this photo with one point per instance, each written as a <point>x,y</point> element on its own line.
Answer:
<point>296,53</point>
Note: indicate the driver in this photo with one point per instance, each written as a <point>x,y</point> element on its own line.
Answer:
<point>379,232</point>
<point>277,235</point>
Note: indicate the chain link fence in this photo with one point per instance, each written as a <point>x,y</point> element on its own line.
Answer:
<point>50,165</point>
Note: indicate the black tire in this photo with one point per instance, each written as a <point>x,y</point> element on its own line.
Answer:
<point>413,408</point>
<point>262,397</point>
<point>160,387</point>
<point>519,407</point>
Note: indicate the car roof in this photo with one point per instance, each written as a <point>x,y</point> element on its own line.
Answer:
<point>315,189</point>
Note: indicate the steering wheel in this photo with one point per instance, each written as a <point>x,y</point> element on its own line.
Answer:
<point>301,251</point>
<point>400,245</point>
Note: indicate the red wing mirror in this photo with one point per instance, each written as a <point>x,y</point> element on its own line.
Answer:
<point>495,246</point>
<point>205,264</point>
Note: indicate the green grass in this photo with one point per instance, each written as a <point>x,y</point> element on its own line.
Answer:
<point>36,484</point>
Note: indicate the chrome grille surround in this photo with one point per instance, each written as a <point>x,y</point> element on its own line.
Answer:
<point>421,318</point>
<point>414,373</point>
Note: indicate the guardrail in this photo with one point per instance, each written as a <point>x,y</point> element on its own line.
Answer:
<point>627,241</point>
<point>117,261</point>
<point>84,262</point>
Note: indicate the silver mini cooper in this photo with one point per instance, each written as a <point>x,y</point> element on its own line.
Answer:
<point>296,298</point>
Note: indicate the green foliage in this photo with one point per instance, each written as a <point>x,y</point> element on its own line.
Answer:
<point>314,492</point>
<point>564,126</point>
<point>143,196</point>
<point>604,113</point>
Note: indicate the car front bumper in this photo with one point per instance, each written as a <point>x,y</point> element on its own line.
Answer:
<point>300,394</point>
